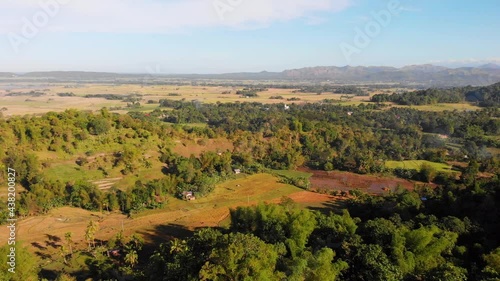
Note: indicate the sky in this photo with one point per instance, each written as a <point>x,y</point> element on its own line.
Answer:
<point>220,36</point>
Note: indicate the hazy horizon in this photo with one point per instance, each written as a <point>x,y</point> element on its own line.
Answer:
<point>450,66</point>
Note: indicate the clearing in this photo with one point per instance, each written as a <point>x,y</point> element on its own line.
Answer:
<point>345,181</point>
<point>177,218</point>
<point>416,164</point>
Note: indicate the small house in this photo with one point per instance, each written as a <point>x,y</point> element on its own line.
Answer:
<point>237,171</point>
<point>188,196</point>
<point>114,253</point>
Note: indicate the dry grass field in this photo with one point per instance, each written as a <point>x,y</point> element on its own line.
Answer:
<point>50,101</point>
<point>41,232</point>
<point>186,148</point>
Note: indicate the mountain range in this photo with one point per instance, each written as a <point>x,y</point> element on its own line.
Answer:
<point>424,75</point>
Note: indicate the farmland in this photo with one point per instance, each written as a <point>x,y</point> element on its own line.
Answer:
<point>209,211</point>
<point>50,101</point>
<point>125,167</point>
<point>88,97</point>
<point>417,164</point>
<point>345,181</point>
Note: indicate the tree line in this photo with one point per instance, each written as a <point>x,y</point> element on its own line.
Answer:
<point>488,96</point>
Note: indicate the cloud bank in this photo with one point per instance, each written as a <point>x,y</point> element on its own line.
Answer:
<point>160,16</point>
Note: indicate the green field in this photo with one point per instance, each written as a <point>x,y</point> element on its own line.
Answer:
<point>416,164</point>
<point>294,174</point>
<point>66,172</point>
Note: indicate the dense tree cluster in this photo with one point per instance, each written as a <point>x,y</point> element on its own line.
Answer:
<point>349,138</point>
<point>484,96</point>
<point>346,90</point>
<point>321,136</point>
<point>440,234</point>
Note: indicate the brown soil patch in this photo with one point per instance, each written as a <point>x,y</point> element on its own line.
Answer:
<point>312,197</point>
<point>186,148</point>
<point>345,181</point>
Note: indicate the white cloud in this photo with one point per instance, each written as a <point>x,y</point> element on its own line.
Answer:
<point>163,15</point>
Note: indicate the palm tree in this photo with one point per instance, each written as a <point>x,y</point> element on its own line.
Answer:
<point>177,246</point>
<point>68,236</point>
<point>62,252</point>
<point>131,258</point>
<point>92,228</point>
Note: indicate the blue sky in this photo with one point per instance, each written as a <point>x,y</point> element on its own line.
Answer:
<point>217,36</point>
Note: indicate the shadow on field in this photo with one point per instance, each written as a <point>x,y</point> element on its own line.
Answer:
<point>42,255</point>
<point>162,234</point>
<point>38,246</point>
<point>52,241</point>
<point>48,274</point>
<point>329,207</point>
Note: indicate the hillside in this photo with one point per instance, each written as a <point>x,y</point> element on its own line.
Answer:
<point>419,74</point>
<point>425,75</point>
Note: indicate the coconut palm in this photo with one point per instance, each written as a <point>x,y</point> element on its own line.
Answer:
<point>132,258</point>
<point>68,236</point>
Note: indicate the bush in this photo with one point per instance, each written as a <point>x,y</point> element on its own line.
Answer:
<point>328,166</point>
<point>80,161</point>
<point>99,126</point>
<point>427,173</point>
<point>300,182</point>
<point>405,173</point>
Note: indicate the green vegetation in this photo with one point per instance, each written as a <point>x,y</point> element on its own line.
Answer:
<point>417,164</point>
<point>421,235</point>
<point>484,96</point>
<point>67,94</point>
<point>130,165</point>
<point>291,173</point>
<point>72,172</point>
<point>26,265</point>
<point>26,94</point>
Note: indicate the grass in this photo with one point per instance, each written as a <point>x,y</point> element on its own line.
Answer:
<point>293,174</point>
<point>66,172</point>
<point>245,190</point>
<point>416,164</point>
<point>75,265</point>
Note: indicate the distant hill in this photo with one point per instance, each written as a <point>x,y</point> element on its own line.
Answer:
<point>429,75</point>
<point>490,66</point>
<point>426,68</point>
<point>76,75</point>
<point>7,74</point>
<point>423,75</point>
